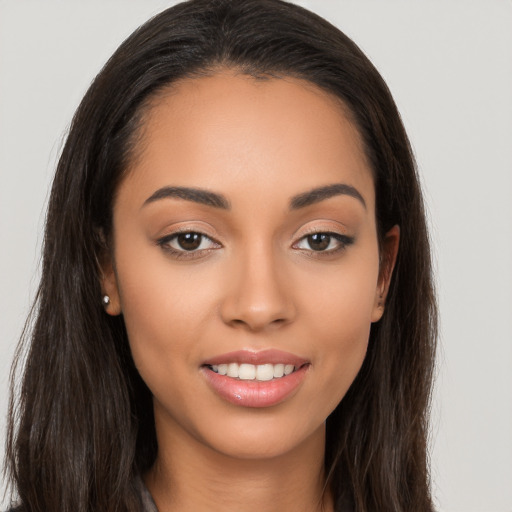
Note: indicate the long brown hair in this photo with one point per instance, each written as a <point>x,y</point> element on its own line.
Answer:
<point>81,428</point>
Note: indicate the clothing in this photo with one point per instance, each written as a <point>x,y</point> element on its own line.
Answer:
<point>148,505</point>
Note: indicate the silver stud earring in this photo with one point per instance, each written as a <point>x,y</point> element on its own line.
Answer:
<point>106,300</point>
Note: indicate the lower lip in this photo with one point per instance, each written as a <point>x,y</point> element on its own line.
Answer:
<point>254,393</point>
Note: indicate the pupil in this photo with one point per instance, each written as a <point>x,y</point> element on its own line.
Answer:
<point>319,241</point>
<point>189,241</point>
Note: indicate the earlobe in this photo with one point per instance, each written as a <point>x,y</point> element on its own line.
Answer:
<point>389,252</point>
<point>108,280</point>
<point>109,289</point>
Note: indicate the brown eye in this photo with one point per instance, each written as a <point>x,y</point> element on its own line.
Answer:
<point>319,241</point>
<point>189,241</point>
<point>324,242</point>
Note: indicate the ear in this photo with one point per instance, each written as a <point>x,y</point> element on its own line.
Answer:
<point>108,281</point>
<point>389,251</point>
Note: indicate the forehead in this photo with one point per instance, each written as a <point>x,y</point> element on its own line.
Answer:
<point>237,133</point>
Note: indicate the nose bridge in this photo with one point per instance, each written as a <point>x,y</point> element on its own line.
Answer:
<point>257,297</point>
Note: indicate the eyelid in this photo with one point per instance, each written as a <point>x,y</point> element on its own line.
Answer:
<point>338,236</point>
<point>343,240</point>
<point>187,226</point>
<point>317,228</point>
<point>164,243</point>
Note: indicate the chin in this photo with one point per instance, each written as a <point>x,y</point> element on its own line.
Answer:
<point>262,435</point>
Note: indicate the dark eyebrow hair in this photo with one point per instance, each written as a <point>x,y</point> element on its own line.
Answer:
<point>321,193</point>
<point>197,195</point>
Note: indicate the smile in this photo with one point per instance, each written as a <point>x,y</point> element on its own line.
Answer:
<point>260,372</point>
<point>255,379</point>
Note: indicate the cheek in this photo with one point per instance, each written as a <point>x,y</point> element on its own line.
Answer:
<point>342,298</point>
<point>164,310</point>
<point>340,318</point>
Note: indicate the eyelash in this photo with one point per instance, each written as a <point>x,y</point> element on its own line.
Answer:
<point>183,254</point>
<point>343,242</point>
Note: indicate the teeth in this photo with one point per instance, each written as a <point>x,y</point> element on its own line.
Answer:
<point>265,372</point>
<point>261,372</point>
<point>288,369</point>
<point>278,370</point>
<point>232,370</point>
<point>247,372</point>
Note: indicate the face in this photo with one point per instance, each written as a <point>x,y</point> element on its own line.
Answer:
<point>245,261</point>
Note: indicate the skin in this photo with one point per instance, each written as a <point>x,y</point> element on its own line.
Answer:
<point>257,285</point>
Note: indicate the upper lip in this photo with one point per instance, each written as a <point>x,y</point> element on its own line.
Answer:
<point>269,356</point>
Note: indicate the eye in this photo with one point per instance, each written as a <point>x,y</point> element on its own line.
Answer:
<point>324,242</point>
<point>187,243</point>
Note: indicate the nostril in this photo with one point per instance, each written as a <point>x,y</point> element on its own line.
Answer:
<point>257,305</point>
<point>257,324</point>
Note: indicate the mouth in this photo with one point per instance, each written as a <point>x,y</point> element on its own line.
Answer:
<point>260,372</point>
<point>255,379</point>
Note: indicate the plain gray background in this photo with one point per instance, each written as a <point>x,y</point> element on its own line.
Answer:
<point>449,66</point>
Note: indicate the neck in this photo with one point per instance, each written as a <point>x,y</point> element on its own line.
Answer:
<point>189,476</point>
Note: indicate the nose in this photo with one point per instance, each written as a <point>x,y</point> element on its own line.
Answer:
<point>258,295</point>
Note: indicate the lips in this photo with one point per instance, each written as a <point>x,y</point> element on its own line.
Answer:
<point>255,379</point>
<point>270,356</point>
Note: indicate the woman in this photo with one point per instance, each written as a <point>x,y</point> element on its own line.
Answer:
<point>236,307</point>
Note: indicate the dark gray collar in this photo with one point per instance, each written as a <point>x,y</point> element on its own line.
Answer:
<point>148,505</point>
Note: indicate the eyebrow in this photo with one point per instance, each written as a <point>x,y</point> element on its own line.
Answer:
<point>319,194</point>
<point>216,200</point>
<point>197,195</point>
